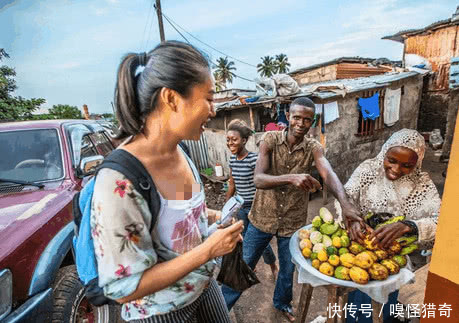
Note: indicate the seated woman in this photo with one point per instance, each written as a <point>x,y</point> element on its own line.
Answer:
<point>393,182</point>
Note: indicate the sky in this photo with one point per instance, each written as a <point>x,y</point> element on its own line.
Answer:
<point>68,51</point>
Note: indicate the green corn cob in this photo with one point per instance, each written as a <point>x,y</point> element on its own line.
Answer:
<point>405,241</point>
<point>391,220</point>
<point>408,249</point>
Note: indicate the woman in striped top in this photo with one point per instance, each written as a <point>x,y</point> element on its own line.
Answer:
<point>242,166</point>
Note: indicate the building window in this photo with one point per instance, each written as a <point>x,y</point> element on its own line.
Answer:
<point>370,127</point>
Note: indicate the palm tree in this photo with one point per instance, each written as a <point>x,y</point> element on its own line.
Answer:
<point>223,71</point>
<point>282,64</point>
<point>266,67</point>
<point>219,85</point>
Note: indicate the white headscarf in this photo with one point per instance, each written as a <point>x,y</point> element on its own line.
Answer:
<point>414,195</point>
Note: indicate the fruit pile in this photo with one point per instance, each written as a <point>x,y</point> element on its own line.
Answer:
<point>331,252</point>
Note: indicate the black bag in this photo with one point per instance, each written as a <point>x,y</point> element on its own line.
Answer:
<point>235,273</point>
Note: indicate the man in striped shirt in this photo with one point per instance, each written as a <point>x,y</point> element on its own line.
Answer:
<point>242,166</point>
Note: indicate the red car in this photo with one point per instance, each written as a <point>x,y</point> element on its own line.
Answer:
<point>42,165</point>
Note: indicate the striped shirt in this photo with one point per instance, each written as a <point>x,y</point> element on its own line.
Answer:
<point>242,172</point>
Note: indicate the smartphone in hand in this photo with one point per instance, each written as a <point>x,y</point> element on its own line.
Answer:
<point>229,211</point>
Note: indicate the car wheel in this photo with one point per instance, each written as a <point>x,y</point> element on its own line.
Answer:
<point>70,305</point>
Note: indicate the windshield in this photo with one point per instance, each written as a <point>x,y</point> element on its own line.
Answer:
<point>30,155</point>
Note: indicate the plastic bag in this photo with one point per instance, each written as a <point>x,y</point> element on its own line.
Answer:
<point>436,140</point>
<point>235,273</point>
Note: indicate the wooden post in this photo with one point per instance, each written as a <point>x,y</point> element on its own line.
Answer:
<point>303,305</point>
<point>252,123</point>
<point>377,318</point>
<point>332,301</point>
<point>224,121</point>
<point>160,20</point>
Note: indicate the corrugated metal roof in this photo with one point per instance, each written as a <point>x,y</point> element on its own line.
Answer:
<point>355,59</point>
<point>349,85</point>
<point>237,104</point>
<point>402,35</point>
<point>356,85</point>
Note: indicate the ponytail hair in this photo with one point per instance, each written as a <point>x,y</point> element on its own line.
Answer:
<point>241,127</point>
<point>171,64</point>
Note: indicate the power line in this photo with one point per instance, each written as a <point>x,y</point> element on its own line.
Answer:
<point>172,24</point>
<point>176,29</point>
<point>236,59</point>
<point>146,24</point>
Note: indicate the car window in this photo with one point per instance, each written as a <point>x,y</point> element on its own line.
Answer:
<point>31,155</point>
<point>82,145</point>
<point>103,145</point>
<point>87,148</point>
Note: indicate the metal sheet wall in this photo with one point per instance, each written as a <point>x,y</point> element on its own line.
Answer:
<point>199,152</point>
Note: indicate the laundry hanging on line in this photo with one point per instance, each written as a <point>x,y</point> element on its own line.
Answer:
<point>329,110</point>
<point>392,106</point>
<point>370,107</point>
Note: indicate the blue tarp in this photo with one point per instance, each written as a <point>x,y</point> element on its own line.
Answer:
<point>370,107</point>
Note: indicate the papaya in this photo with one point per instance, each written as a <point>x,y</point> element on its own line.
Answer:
<point>322,255</point>
<point>328,228</point>
<point>316,263</point>
<point>342,272</point>
<point>355,248</point>
<point>326,215</point>
<point>378,272</point>
<point>306,252</point>
<point>333,260</point>
<point>326,268</point>
<point>342,251</point>
<point>347,260</point>
<point>332,251</point>
<point>359,275</point>
<point>363,260</point>
<point>317,222</point>
<point>336,242</point>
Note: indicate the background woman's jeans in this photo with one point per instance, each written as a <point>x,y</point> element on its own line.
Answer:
<point>268,254</point>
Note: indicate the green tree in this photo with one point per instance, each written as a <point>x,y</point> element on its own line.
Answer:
<point>219,85</point>
<point>64,111</point>
<point>282,64</point>
<point>223,71</point>
<point>14,107</point>
<point>108,116</point>
<point>267,67</point>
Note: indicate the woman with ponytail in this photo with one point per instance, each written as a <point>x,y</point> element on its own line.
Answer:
<point>164,274</point>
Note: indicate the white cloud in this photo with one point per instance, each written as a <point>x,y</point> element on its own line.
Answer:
<point>100,11</point>
<point>209,14</point>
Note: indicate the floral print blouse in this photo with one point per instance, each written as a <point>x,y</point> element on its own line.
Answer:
<point>125,247</point>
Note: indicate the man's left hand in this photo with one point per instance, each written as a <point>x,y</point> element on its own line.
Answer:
<point>351,214</point>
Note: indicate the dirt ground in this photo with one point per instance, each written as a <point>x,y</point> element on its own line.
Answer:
<point>255,305</point>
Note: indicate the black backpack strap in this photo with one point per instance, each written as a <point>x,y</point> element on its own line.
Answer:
<point>127,164</point>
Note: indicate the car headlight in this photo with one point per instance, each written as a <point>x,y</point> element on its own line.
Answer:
<point>6,292</point>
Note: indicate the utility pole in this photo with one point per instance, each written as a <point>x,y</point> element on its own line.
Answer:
<point>160,20</point>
